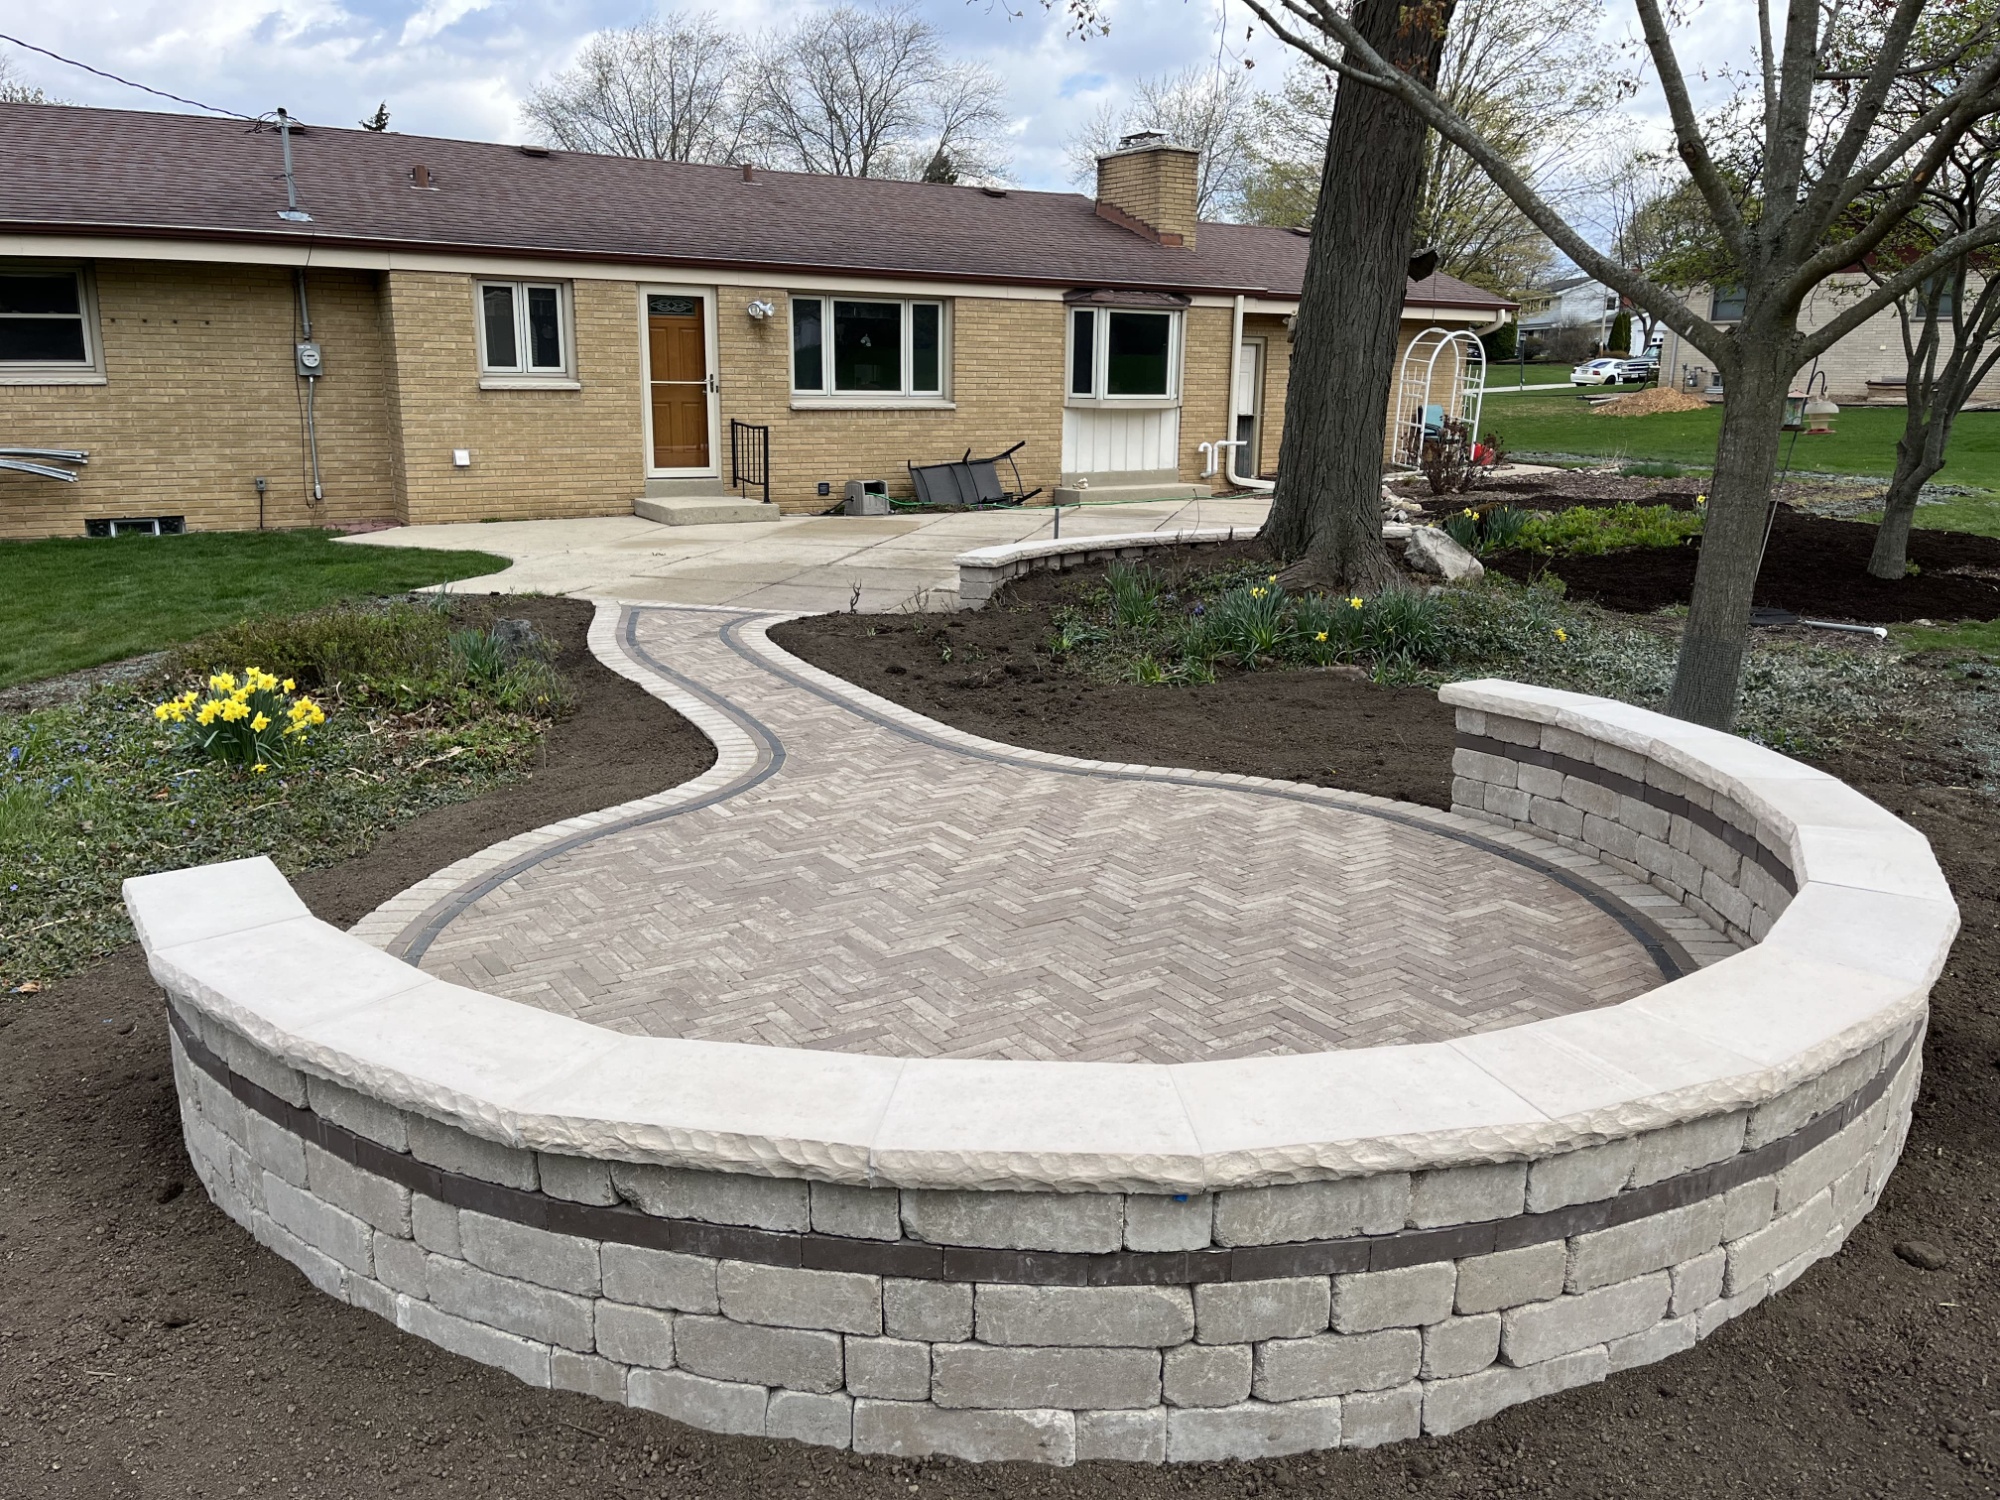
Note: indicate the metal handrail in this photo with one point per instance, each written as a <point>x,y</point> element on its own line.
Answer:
<point>750,457</point>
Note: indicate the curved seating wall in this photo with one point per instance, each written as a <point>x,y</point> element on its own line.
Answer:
<point>1062,1261</point>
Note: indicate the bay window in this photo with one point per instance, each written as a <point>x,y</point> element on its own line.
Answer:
<point>867,347</point>
<point>1117,353</point>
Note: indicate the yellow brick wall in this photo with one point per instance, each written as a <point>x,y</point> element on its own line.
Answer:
<point>1204,386</point>
<point>201,398</point>
<point>1006,379</point>
<point>534,452</point>
<point>1276,382</point>
<point>1158,187</point>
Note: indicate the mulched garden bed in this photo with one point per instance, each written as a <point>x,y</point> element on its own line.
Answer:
<point>989,671</point>
<point>152,1349</point>
<point>1815,566</point>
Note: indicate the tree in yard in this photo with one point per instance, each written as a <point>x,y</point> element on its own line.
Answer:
<point>1529,73</point>
<point>1326,515</point>
<point>1813,180</point>
<point>379,121</point>
<point>1620,341</point>
<point>1202,108</point>
<point>870,93</point>
<point>1950,345</point>
<point>1640,205</point>
<point>666,89</point>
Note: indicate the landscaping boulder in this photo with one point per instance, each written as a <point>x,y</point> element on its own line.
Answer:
<point>1432,551</point>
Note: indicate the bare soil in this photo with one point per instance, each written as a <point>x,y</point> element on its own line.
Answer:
<point>149,1348</point>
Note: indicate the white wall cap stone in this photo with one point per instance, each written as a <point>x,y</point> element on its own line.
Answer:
<point>204,901</point>
<point>1012,1125</point>
<point>1896,860</point>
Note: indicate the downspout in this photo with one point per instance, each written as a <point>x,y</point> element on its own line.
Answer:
<point>1235,376</point>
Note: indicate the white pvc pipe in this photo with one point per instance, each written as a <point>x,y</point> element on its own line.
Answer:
<point>1230,445</point>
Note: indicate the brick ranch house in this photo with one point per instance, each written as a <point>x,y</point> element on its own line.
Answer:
<point>512,332</point>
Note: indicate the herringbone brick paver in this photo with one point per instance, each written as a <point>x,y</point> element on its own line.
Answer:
<point>885,891</point>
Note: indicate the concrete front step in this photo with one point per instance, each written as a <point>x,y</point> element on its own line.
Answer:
<point>702,510</point>
<point>1105,493</point>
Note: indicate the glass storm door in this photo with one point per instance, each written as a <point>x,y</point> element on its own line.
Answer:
<point>681,385</point>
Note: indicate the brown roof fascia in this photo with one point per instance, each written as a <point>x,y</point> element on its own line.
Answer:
<point>228,235</point>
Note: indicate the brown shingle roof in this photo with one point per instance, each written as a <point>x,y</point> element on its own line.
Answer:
<point>135,172</point>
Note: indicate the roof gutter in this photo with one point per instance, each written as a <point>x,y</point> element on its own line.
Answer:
<point>336,241</point>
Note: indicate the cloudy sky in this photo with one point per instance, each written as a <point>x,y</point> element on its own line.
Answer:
<point>461,67</point>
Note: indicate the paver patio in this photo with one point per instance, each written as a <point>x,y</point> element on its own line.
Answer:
<point>869,882</point>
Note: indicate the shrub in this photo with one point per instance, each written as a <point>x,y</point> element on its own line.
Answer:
<point>1463,527</point>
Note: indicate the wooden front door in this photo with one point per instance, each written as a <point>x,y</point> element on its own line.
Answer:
<point>678,373</point>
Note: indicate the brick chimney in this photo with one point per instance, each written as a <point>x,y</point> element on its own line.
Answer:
<point>1147,185</point>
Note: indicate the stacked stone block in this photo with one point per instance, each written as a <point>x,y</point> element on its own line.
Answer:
<point>1042,1326</point>
<point>1699,846</point>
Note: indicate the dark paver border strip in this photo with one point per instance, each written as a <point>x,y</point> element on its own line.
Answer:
<point>918,1260</point>
<point>415,940</point>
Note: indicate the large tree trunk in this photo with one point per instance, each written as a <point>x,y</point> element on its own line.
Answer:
<point>1327,509</point>
<point>1919,455</point>
<point>1710,666</point>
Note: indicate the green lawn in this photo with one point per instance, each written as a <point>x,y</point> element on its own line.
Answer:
<point>73,602</point>
<point>1505,376</point>
<point>1863,440</point>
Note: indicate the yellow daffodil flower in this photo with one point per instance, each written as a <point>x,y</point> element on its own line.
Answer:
<point>1354,603</point>
<point>289,685</point>
<point>261,723</point>
<point>1701,499</point>
<point>260,767</point>
<point>1321,636</point>
<point>207,714</point>
<point>1561,634</point>
<point>223,682</point>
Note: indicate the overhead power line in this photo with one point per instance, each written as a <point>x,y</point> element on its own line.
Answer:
<point>128,83</point>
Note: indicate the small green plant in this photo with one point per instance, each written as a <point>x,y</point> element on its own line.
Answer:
<point>1073,632</point>
<point>1462,526</point>
<point>483,655</point>
<point>256,723</point>
<point>1404,628</point>
<point>1135,596</point>
<point>1252,620</point>
<point>1502,528</point>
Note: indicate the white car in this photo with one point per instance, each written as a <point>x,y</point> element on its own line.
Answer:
<point>1596,372</point>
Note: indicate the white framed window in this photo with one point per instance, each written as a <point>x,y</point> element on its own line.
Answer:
<point>1123,354</point>
<point>869,348</point>
<point>524,330</point>
<point>48,324</point>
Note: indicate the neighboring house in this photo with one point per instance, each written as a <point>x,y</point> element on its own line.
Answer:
<point>1576,302</point>
<point>1866,364</point>
<point>512,332</point>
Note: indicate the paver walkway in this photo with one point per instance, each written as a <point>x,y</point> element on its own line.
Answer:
<point>856,878</point>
